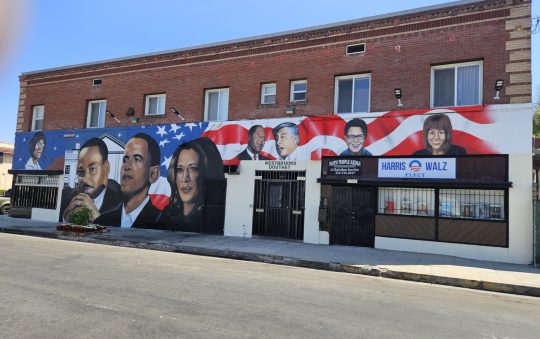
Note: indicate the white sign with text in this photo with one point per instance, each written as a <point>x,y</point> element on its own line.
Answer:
<point>417,168</point>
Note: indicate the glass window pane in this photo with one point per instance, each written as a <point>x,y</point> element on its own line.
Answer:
<point>299,96</point>
<point>38,125</point>
<point>161,105</point>
<point>443,87</point>
<point>101,118</point>
<point>361,95</point>
<point>223,104</point>
<point>38,112</point>
<point>213,103</point>
<point>94,114</point>
<point>300,86</point>
<point>269,89</point>
<point>468,85</point>
<point>269,99</point>
<point>344,96</point>
<point>153,105</point>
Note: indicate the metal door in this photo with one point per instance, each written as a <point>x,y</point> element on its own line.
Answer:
<point>353,216</point>
<point>278,209</point>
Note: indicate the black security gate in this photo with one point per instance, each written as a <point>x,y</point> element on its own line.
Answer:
<point>278,209</point>
<point>353,216</point>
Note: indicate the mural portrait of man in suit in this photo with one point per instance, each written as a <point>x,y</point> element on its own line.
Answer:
<point>256,139</point>
<point>140,168</point>
<point>287,140</point>
<point>95,190</point>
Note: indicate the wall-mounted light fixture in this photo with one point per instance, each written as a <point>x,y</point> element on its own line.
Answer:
<point>177,113</point>
<point>131,114</point>
<point>397,93</point>
<point>109,113</point>
<point>290,109</point>
<point>499,84</point>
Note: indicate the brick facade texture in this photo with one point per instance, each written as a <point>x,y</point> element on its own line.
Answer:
<point>400,53</point>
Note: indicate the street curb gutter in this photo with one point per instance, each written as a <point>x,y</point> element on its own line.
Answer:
<point>369,270</point>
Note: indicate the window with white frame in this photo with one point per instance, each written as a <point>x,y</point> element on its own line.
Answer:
<point>155,104</point>
<point>216,104</point>
<point>298,90</point>
<point>456,84</point>
<point>37,118</point>
<point>96,113</point>
<point>352,93</point>
<point>268,94</point>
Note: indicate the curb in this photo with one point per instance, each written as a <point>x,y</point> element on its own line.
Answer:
<point>369,270</point>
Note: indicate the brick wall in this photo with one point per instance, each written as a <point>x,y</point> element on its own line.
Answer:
<point>400,53</point>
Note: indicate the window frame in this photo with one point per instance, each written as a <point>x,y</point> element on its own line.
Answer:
<point>455,66</point>
<point>293,92</point>
<point>33,127</point>
<point>147,98</point>
<point>265,95</point>
<point>351,76</point>
<point>207,93</point>
<point>89,112</point>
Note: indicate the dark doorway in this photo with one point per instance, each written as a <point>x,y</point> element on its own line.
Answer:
<point>278,209</point>
<point>353,216</point>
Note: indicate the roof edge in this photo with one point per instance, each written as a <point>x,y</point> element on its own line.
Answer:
<point>264,36</point>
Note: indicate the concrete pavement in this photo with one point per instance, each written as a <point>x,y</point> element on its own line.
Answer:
<point>427,268</point>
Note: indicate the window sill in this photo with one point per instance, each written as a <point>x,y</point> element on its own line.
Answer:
<point>267,106</point>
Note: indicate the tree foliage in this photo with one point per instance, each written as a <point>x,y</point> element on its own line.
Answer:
<point>536,118</point>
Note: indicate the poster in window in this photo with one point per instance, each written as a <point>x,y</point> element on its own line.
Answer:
<point>480,211</point>
<point>422,208</point>
<point>446,209</point>
<point>406,207</point>
<point>495,211</point>
<point>389,206</point>
<point>467,210</point>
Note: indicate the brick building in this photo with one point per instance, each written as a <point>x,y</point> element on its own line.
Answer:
<point>393,72</point>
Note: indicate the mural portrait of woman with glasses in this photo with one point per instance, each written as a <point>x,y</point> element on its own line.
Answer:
<point>355,133</point>
<point>36,147</point>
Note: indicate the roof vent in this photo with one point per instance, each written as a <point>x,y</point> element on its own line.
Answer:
<point>96,82</point>
<point>356,48</point>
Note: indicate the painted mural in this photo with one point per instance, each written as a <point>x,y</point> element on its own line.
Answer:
<point>161,176</point>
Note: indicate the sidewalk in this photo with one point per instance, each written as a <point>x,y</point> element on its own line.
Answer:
<point>428,268</point>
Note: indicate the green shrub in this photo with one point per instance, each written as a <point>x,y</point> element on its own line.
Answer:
<point>80,217</point>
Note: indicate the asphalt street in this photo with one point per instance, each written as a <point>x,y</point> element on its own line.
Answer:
<point>61,289</point>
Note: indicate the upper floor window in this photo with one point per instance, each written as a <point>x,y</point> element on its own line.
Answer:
<point>155,104</point>
<point>1,157</point>
<point>96,113</point>
<point>352,93</point>
<point>37,118</point>
<point>216,104</point>
<point>298,90</point>
<point>456,84</point>
<point>268,94</point>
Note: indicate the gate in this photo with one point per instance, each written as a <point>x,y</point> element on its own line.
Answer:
<point>31,191</point>
<point>353,216</point>
<point>278,209</point>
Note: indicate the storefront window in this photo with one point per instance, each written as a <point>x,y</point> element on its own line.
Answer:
<point>474,204</point>
<point>409,201</point>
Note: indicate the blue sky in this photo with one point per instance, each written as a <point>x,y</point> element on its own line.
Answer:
<point>55,33</point>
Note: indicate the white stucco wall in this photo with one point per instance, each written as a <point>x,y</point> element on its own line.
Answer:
<point>44,214</point>
<point>520,213</point>
<point>240,197</point>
